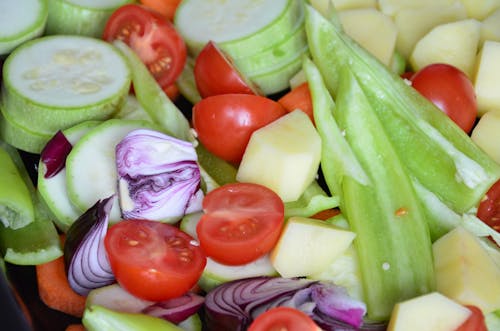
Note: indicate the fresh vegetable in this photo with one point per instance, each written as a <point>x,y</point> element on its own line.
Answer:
<point>285,318</point>
<point>54,289</point>
<point>224,123</point>
<point>75,327</point>
<point>234,305</point>
<point>16,204</point>
<point>158,176</point>
<point>152,260</point>
<point>114,297</point>
<point>488,209</point>
<point>89,77</point>
<point>22,21</point>
<point>80,17</point>
<point>176,309</point>
<point>298,98</point>
<point>221,171</point>
<point>485,77</point>
<point>475,322</point>
<point>215,73</point>
<point>98,318</point>
<point>53,155</point>
<point>84,255</point>
<point>165,7</point>
<point>152,37</point>
<point>450,90</point>
<point>241,222</point>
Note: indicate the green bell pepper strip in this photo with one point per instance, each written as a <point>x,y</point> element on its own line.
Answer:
<point>437,153</point>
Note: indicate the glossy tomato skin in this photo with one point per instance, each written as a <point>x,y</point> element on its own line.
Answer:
<point>152,260</point>
<point>489,208</point>
<point>153,38</point>
<point>241,222</point>
<point>166,8</point>
<point>214,73</point>
<point>450,90</point>
<point>475,322</point>
<point>283,318</point>
<point>225,122</point>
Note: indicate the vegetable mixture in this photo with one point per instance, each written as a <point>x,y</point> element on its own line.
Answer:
<point>260,165</point>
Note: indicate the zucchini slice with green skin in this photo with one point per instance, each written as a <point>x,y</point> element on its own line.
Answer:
<point>91,165</point>
<point>55,82</point>
<point>16,205</point>
<point>81,17</point>
<point>53,190</point>
<point>21,21</point>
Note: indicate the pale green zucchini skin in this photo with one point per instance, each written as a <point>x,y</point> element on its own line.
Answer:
<point>80,17</point>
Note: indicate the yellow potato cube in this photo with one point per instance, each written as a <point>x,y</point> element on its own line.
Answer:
<point>486,78</point>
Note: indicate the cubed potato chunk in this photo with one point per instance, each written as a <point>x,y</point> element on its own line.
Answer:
<point>486,78</point>
<point>373,30</point>
<point>490,27</point>
<point>429,312</point>
<point>284,156</point>
<point>465,271</point>
<point>486,134</point>
<point>391,7</point>
<point>308,246</point>
<point>480,9</point>
<point>455,43</point>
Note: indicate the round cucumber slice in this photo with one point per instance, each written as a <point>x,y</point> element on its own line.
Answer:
<point>81,17</point>
<point>53,190</point>
<point>241,27</point>
<point>55,82</point>
<point>21,21</point>
<point>91,167</point>
<point>19,136</point>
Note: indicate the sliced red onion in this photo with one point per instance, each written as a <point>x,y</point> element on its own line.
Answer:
<point>176,310</point>
<point>234,305</point>
<point>84,253</point>
<point>54,154</point>
<point>159,177</point>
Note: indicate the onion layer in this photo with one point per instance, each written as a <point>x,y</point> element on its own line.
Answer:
<point>54,154</point>
<point>177,309</point>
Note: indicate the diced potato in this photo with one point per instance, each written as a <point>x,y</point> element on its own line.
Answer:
<point>391,7</point>
<point>373,30</point>
<point>479,9</point>
<point>465,272</point>
<point>308,246</point>
<point>490,27</point>
<point>486,134</point>
<point>455,43</point>
<point>486,78</point>
<point>414,23</point>
<point>429,312</point>
<point>284,156</point>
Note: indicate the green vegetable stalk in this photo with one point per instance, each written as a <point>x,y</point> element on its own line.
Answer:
<point>16,205</point>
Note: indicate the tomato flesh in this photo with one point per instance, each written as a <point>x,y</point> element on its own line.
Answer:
<point>241,222</point>
<point>475,322</point>
<point>215,73</point>
<point>283,319</point>
<point>225,122</point>
<point>489,208</point>
<point>450,90</point>
<point>153,260</point>
<point>152,37</point>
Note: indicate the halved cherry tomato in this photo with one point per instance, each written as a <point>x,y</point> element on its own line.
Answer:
<point>166,8</point>
<point>152,37</point>
<point>214,73</point>
<point>283,318</point>
<point>475,322</point>
<point>241,222</point>
<point>450,90</point>
<point>225,122</point>
<point>298,98</point>
<point>489,208</point>
<point>153,260</point>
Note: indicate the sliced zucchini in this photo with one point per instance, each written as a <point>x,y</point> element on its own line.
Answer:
<point>55,82</point>
<point>90,166</point>
<point>21,21</point>
<point>53,190</point>
<point>81,17</point>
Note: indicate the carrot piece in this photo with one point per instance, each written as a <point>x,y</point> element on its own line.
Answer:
<point>298,98</point>
<point>75,327</point>
<point>326,214</point>
<point>166,8</point>
<point>475,322</point>
<point>55,291</point>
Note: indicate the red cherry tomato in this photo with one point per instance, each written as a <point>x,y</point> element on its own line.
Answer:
<point>152,37</point>
<point>166,8</point>
<point>450,90</point>
<point>214,73</point>
<point>225,122</point>
<point>475,322</point>
<point>153,260</point>
<point>283,318</point>
<point>241,222</point>
<point>489,208</point>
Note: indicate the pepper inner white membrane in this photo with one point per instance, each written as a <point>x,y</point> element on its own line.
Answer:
<point>64,71</point>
